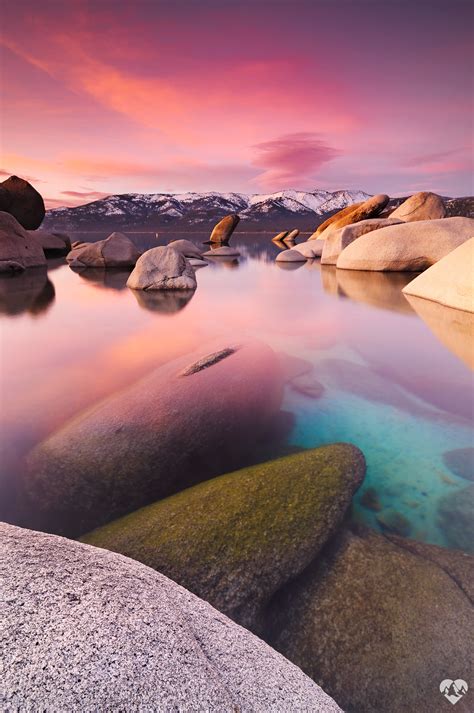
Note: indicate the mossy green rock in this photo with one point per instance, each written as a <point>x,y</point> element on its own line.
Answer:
<point>235,540</point>
<point>379,622</point>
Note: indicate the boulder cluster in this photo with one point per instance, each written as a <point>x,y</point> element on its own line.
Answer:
<point>417,235</point>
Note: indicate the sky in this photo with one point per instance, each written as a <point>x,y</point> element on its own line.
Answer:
<point>118,96</point>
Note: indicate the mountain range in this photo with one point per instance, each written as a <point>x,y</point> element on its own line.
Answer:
<point>200,211</point>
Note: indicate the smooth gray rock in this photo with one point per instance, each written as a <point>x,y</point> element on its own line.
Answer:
<point>290,256</point>
<point>162,269</point>
<point>339,239</point>
<point>88,630</point>
<point>311,248</point>
<point>18,249</point>
<point>186,248</point>
<point>115,251</point>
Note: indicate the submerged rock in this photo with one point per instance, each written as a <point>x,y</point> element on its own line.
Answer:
<point>370,499</point>
<point>308,385</point>
<point>377,625</point>
<point>460,462</point>
<point>223,230</point>
<point>52,243</point>
<point>394,522</point>
<point>235,540</point>
<point>406,246</point>
<point>162,269</point>
<point>456,518</point>
<point>115,251</point>
<point>339,239</point>
<point>420,206</point>
<point>89,630</point>
<point>451,280</point>
<point>194,418</point>
<point>20,199</point>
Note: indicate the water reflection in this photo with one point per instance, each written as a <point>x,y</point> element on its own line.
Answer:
<point>454,328</point>
<point>30,292</point>
<point>166,301</point>
<point>378,289</point>
<point>112,279</point>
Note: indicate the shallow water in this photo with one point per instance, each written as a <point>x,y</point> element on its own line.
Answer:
<point>395,385</point>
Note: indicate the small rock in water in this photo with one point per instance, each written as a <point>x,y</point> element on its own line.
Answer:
<point>162,269</point>
<point>394,522</point>
<point>280,236</point>
<point>290,256</point>
<point>460,462</point>
<point>370,500</point>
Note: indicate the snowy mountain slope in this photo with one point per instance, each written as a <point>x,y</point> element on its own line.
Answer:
<point>185,211</point>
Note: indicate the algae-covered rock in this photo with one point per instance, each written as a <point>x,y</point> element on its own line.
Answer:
<point>237,539</point>
<point>456,518</point>
<point>194,418</point>
<point>89,630</point>
<point>378,625</point>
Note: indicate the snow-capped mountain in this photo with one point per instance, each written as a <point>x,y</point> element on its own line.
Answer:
<point>187,211</point>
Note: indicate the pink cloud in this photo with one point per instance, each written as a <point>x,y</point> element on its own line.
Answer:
<point>292,160</point>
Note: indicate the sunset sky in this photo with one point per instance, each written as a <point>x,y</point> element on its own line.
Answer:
<point>116,96</point>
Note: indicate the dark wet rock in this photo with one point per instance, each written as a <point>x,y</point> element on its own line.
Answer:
<point>460,462</point>
<point>115,251</point>
<point>394,522</point>
<point>162,269</point>
<point>20,199</point>
<point>29,291</point>
<point>18,250</point>
<point>52,243</point>
<point>163,301</point>
<point>163,434</point>
<point>370,500</point>
<point>378,626</point>
<point>89,630</point>
<point>235,540</point>
<point>456,518</point>
<point>223,230</point>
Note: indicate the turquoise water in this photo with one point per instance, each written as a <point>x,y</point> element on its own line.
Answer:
<point>390,385</point>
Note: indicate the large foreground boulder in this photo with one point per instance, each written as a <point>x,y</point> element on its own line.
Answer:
<point>420,206</point>
<point>89,630</point>
<point>52,243</point>
<point>223,230</point>
<point>20,199</point>
<point>235,540</point>
<point>115,251</point>
<point>18,249</point>
<point>410,246</point>
<point>194,418</point>
<point>339,239</point>
<point>368,209</point>
<point>380,625</point>
<point>450,281</point>
<point>162,269</point>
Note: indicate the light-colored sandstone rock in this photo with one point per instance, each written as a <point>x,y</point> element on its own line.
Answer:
<point>420,206</point>
<point>337,216</point>
<point>90,630</point>
<point>115,251</point>
<point>188,421</point>
<point>52,243</point>
<point>409,246</point>
<point>368,209</point>
<point>20,199</point>
<point>450,281</point>
<point>290,256</point>
<point>187,248</point>
<point>310,249</point>
<point>18,249</point>
<point>279,236</point>
<point>224,251</point>
<point>223,230</point>
<point>339,239</point>
<point>162,269</point>
<point>292,235</point>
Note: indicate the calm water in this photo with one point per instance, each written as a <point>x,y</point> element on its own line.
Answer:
<point>396,385</point>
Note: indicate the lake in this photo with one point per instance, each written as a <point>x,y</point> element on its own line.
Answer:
<point>394,384</point>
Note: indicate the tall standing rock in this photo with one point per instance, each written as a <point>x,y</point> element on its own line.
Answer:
<point>188,421</point>
<point>20,199</point>
<point>223,230</point>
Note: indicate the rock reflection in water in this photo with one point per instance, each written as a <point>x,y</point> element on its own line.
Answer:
<point>31,292</point>
<point>164,301</point>
<point>113,279</point>
<point>377,289</point>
